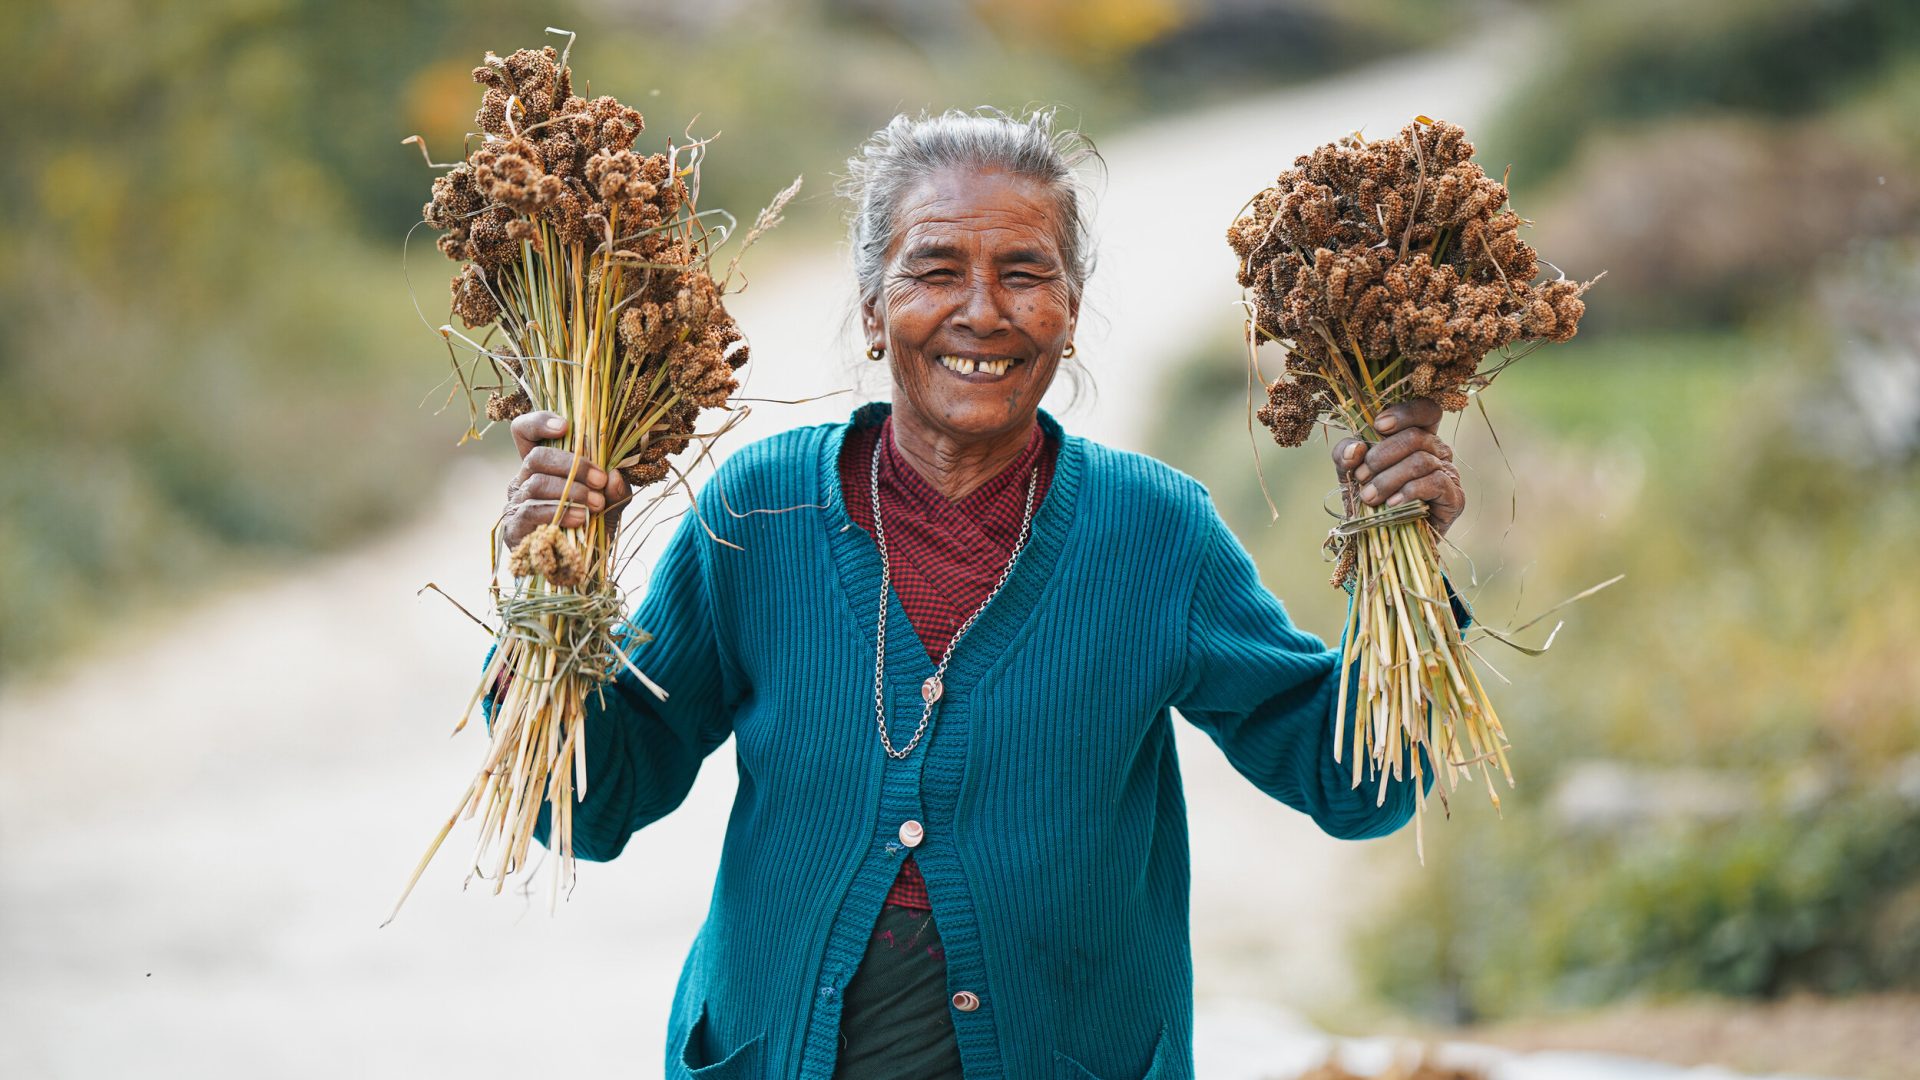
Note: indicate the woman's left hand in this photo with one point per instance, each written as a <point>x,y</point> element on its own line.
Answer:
<point>1408,462</point>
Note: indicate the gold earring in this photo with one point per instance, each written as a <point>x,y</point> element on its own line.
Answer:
<point>875,352</point>
<point>1067,352</point>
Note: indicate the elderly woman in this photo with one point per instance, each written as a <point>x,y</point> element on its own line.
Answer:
<point>959,844</point>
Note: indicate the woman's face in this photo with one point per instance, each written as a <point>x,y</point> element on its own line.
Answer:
<point>974,307</point>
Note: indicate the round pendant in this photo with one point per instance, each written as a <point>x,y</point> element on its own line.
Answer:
<point>930,690</point>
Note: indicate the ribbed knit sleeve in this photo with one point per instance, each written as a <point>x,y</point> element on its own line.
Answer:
<point>642,752</point>
<point>1265,691</point>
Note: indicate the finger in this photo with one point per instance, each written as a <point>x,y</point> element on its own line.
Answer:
<point>537,512</point>
<point>1394,449</point>
<point>549,488</point>
<point>513,530</point>
<point>524,518</point>
<point>1442,493</point>
<point>1439,489</point>
<point>553,461</point>
<point>1411,413</point>
<point>530,428</point>
<point>1384,486</point>
<point>1348,453</point>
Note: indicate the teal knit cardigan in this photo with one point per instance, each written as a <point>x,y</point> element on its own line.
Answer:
<point>1055,849</point>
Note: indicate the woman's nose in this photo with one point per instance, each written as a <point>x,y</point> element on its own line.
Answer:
<point>980,309</point>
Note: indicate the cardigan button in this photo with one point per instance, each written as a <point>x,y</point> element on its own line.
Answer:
<point>911,833</point>
<point>966,1001</point>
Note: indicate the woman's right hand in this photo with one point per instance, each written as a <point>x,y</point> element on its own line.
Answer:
<point>535,491</point>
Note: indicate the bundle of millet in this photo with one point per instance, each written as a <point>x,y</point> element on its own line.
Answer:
<point>555,186</point>
<point>1387,270</point>
<point>590,267</point>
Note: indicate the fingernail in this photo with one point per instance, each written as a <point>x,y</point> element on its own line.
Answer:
<point>1353,453</point>
<point>555,425</point>
<point>1369,493</point>
<point>1384,424</point>
<point>1397,499</point>
<point>596,478</point>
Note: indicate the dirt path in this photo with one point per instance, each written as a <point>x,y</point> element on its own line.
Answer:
<point>1870,1036</point>
<point>202,825</point>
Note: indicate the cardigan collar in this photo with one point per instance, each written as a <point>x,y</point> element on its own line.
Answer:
<point>857,557</point>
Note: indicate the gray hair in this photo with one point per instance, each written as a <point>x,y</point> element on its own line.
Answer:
<point>900,156</point>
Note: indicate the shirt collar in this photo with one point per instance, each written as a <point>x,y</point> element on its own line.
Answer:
<point>899,474</point>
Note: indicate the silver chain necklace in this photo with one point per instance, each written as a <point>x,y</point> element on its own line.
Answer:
<point>929,690</point>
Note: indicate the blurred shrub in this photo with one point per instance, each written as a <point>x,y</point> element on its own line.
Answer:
<point>1521,915</point>
<point>207,364</point>
<point>1710,220</point>
<point>1222,46</point>
<point>1763,634</point>
<point>1617,63</point>
<point>1097,34</point>
<point>1707,155</point>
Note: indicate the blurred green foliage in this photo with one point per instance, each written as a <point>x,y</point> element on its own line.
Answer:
<point>1621,63</point>
<point>1517,919</point>
<point>209,363</point>
<point>1759,642</point>
<point>1219,48</point>
<point>1709,157</point>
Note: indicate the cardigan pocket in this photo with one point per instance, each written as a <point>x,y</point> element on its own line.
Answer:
<point>742,1063</point>
<point>1158,1069</point>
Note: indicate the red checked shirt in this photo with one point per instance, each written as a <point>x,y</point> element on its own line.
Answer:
<point>945,556</point>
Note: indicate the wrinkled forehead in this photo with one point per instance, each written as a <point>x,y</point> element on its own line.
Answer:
<point>970,212</point>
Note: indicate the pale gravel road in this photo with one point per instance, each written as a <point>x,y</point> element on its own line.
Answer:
<point>203,823</point>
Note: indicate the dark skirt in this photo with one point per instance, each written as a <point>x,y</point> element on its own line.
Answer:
<point>894,1021</point>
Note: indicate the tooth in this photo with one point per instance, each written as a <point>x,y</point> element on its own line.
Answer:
<point>966,367</point>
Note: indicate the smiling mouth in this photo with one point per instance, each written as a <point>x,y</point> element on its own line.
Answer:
<point>980,369</point>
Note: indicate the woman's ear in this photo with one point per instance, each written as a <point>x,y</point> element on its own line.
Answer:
<point>871,327</point>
